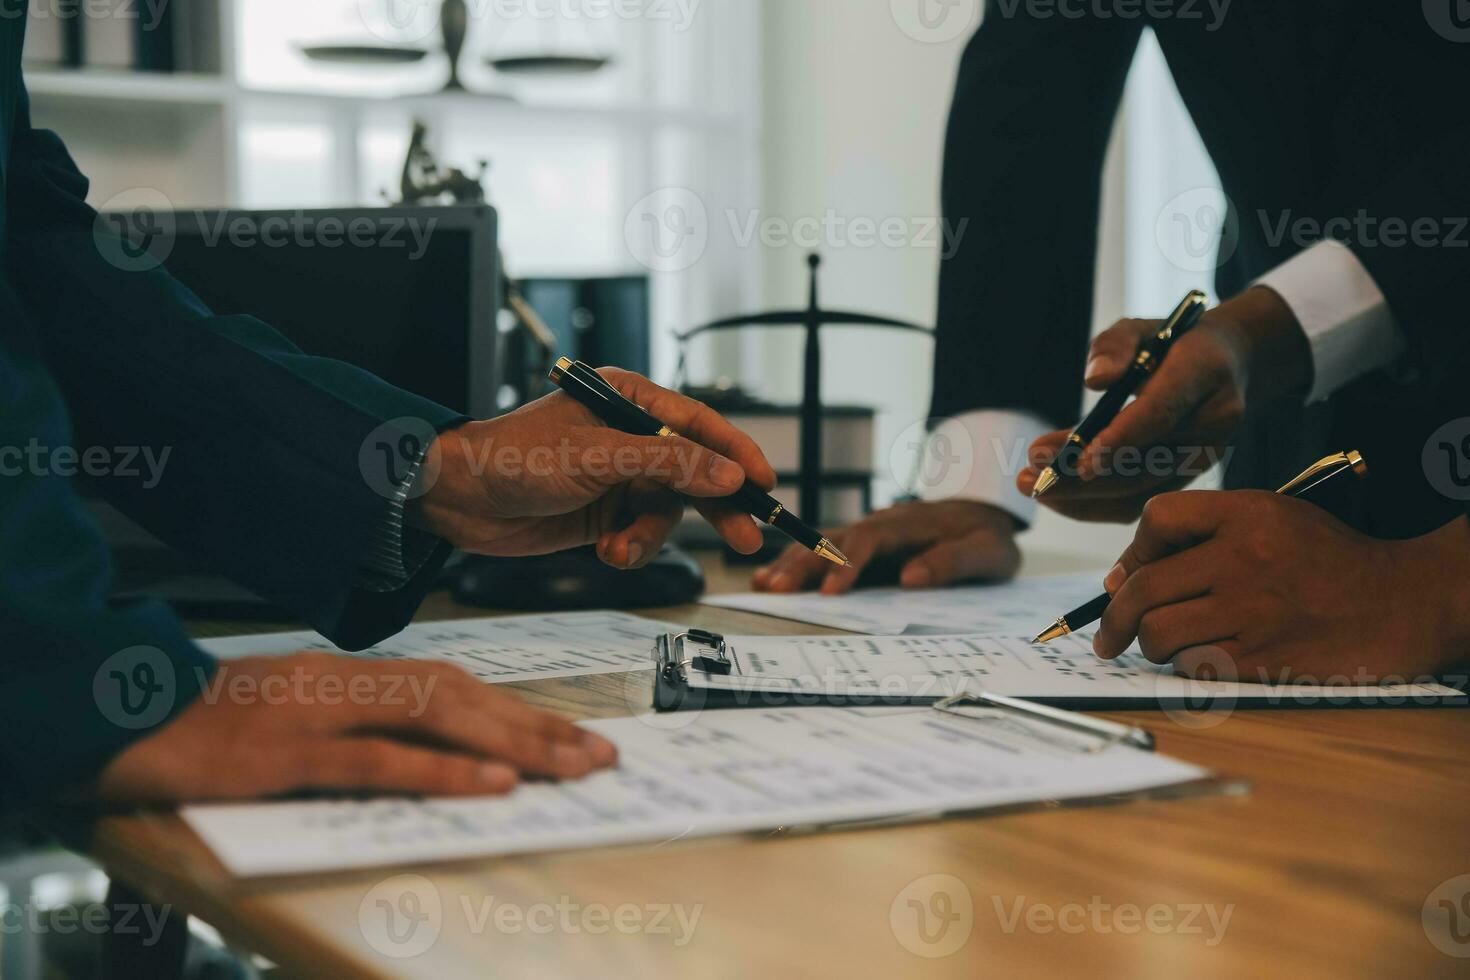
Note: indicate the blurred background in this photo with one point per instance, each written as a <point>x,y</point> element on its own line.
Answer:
<point>700,149</point>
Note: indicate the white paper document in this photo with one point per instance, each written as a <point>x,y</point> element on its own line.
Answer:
<point>1025,605</point>
<point>717,772</point>
<point>496,650</point>
<point>1063,672</point>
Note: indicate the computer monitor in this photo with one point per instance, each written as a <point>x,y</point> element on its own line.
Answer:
<point>410,294</point>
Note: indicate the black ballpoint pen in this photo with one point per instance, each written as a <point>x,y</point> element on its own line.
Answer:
<point>603,400</point>
<point>1150,352</point>
<point>1314,475</point>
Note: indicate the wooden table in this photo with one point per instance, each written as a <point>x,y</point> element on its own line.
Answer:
<point>1352,819</point>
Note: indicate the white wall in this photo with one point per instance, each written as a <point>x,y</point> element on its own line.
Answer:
<point>854,117</point>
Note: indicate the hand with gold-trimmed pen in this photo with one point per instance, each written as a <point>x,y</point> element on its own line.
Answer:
<point>1249,350</point>
<point>552,475</point>
<point>1265,588</point>
<point>1303,485</point>
<point>594,393</point>
<point>1148,354</point>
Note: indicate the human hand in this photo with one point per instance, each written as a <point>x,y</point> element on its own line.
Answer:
<point>265,726</point>
<point>940,543</point>
<point>551,476</point>
<point>1248,350</point>
<point>1285,592</point>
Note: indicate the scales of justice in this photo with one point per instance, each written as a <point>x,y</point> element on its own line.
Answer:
<point>811,319</point>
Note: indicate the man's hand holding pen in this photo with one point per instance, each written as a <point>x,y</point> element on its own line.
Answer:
<point>1278,590</point>
<point>1249,350</point>
<point>552,476</point>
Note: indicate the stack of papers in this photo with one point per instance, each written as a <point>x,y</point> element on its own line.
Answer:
<point>496,650</point>
<point>714,772</point>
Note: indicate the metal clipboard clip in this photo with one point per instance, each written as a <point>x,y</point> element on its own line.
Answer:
<point>1106,734</point>
<point>675,654</point>
<point>674,659</point>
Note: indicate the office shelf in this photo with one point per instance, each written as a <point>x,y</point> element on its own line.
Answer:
<point>90,86</point>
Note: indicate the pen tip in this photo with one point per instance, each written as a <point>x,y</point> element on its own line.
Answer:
<point>1044,482</point>
<point>1059,628</point>
<point>829,551</point>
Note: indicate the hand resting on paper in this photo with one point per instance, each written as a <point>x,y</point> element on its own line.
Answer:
<point>266,726</point>
<point>932,544</point>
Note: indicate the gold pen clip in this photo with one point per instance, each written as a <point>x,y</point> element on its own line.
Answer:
<point>1325,469</point>
<point>1195,298</point>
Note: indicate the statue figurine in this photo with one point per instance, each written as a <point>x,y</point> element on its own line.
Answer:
<point>422,182</point>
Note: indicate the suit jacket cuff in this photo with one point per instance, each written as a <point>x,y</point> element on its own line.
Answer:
<point>396,551</point>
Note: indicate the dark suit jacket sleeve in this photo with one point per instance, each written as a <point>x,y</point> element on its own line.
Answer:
<point>1407,220</point>
<point>62,712</point>
<point>1416,239</point>
<point>1023,163</point>
<point>263,478</point>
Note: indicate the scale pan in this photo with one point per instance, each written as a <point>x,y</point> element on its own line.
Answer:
<point>363,54</point>
<point>549,64</point>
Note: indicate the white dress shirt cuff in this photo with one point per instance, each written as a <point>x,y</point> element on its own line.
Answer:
<point>1346,318</point>
<point>977,456</point>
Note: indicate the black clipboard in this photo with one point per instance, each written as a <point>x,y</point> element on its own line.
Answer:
<point>694,649</point>
<point>676,655</point>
